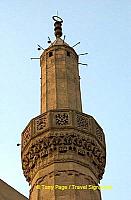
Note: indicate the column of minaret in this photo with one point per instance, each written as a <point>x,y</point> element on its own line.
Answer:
<point>63,150</point>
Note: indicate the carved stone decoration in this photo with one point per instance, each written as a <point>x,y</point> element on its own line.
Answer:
<point>83,122</point>
<point>78,134</point>
<point>62,119</point>
<point>26,135</point>
<point>83,146</point>
<point>40,123</point>
<point>99,134</point>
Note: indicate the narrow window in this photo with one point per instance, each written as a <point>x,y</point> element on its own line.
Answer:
<point>50,53</point>
<point>68,53</point>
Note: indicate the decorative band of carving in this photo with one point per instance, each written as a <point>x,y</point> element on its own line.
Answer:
<point>62,119</point>
<point>83,122</point>
<point>40,123</point>
<point>87,147</point>
<point>26,135</point>
<point>99,133</point>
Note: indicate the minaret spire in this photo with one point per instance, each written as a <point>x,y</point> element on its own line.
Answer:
<point>58,26</point>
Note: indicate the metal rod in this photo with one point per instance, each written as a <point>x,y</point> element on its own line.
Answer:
<point>83,64</point>
<point>34,58</point>
<point>82,54</point>
<point>40,46</point>
<point>76,44</point>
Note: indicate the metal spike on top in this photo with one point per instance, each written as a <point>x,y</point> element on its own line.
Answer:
<point>58,26</point>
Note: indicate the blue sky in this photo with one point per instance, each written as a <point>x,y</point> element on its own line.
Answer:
<point>104,29</point>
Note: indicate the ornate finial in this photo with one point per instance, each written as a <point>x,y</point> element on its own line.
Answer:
<point>58,24</point>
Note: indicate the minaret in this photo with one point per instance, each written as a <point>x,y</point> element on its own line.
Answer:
<point>63,150</point>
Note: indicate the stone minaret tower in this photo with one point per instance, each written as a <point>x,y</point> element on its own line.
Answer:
<point>63,150</point>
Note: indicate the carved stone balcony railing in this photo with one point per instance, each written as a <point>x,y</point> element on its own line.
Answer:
<point>62,119</point>
<point>75,134</point>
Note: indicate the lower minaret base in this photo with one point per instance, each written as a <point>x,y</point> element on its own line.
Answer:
<point>68,181</point>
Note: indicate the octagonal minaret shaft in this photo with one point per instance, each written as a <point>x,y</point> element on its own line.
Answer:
<point>60,82</point>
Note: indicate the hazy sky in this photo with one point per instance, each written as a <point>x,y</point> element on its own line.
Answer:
<point>104,29</point>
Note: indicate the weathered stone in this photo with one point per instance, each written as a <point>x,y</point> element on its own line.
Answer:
<point>62,147</point>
